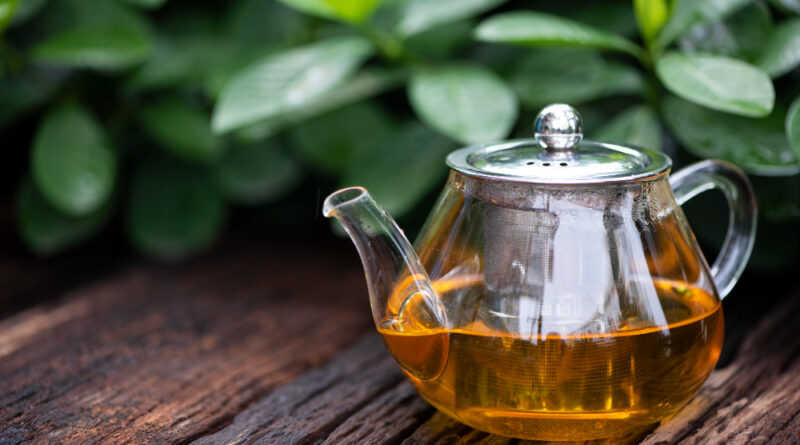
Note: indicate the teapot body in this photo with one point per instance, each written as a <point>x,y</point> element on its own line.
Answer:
<point>574,312</point>
<point>556,291</point>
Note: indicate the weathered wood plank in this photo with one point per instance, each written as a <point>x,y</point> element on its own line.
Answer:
<point>385,420</point>
<point>360,397</point>
<point>755,398</point>
<point>269,343</point>
<point>441,429</point>
<point>166,355</point>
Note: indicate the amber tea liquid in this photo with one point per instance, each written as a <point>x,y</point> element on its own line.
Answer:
<point>577,387</point>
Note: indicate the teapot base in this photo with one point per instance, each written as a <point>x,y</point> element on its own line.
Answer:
<point>619,426</point>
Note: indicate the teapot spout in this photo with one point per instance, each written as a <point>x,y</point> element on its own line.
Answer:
<point>402,297</point>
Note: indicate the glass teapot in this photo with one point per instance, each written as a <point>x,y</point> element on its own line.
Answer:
<point>556,291</point>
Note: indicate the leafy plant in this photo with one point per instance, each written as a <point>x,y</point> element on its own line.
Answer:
<point>172,112</point>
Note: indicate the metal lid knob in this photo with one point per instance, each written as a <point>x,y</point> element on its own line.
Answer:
<point>558,155</point>
<point>558,127</point>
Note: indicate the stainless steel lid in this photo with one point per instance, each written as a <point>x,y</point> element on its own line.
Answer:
<point>558,155</point>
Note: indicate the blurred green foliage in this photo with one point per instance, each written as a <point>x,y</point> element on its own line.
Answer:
<point>170,112</point>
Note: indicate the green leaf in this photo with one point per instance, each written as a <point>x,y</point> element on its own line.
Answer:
<point>256,173</point>
<point>288,82</point>
<point>363,85</point>
<point>181,129</point>
<point>352,11</point>
<point>71,161</point>
<point>793,125</point>
<point>172,63</point>
<point>403,169</point>
<point>332,142</point>
<point>686,13</point>
<point>45,230</point>
<point>570,76</point>
<point>781,53</point>
<point>467,103</point>
<point>106,35</point>
<point>741,35</point>
<point>225,65</point>
<point>319,8</point>
<point>417,16</point>
<point>146,4</point>
<point>7,8</point>
<point>716,82</point>
<point>194,61</point>
<point>651,15</point>
<point>99,48</point>
<point>174,210</point>
<point>757,145</point>
<point>192,52</point>
<point>619,78</point>
<point>637,126</point>
<point>537,29</point>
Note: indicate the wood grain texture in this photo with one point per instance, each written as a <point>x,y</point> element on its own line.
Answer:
<point>360,397</point>
<point>271,343</point>
<point>755,399</point>
<point>165,355</point>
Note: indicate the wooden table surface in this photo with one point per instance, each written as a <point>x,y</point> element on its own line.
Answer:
<point>267,341</point>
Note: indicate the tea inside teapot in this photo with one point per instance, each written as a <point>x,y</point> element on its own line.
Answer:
<point>570,387</point>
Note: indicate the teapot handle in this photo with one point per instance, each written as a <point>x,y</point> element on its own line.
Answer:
<point>732,182</point>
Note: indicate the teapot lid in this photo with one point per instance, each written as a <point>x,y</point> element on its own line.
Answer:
<point>558,154</point>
